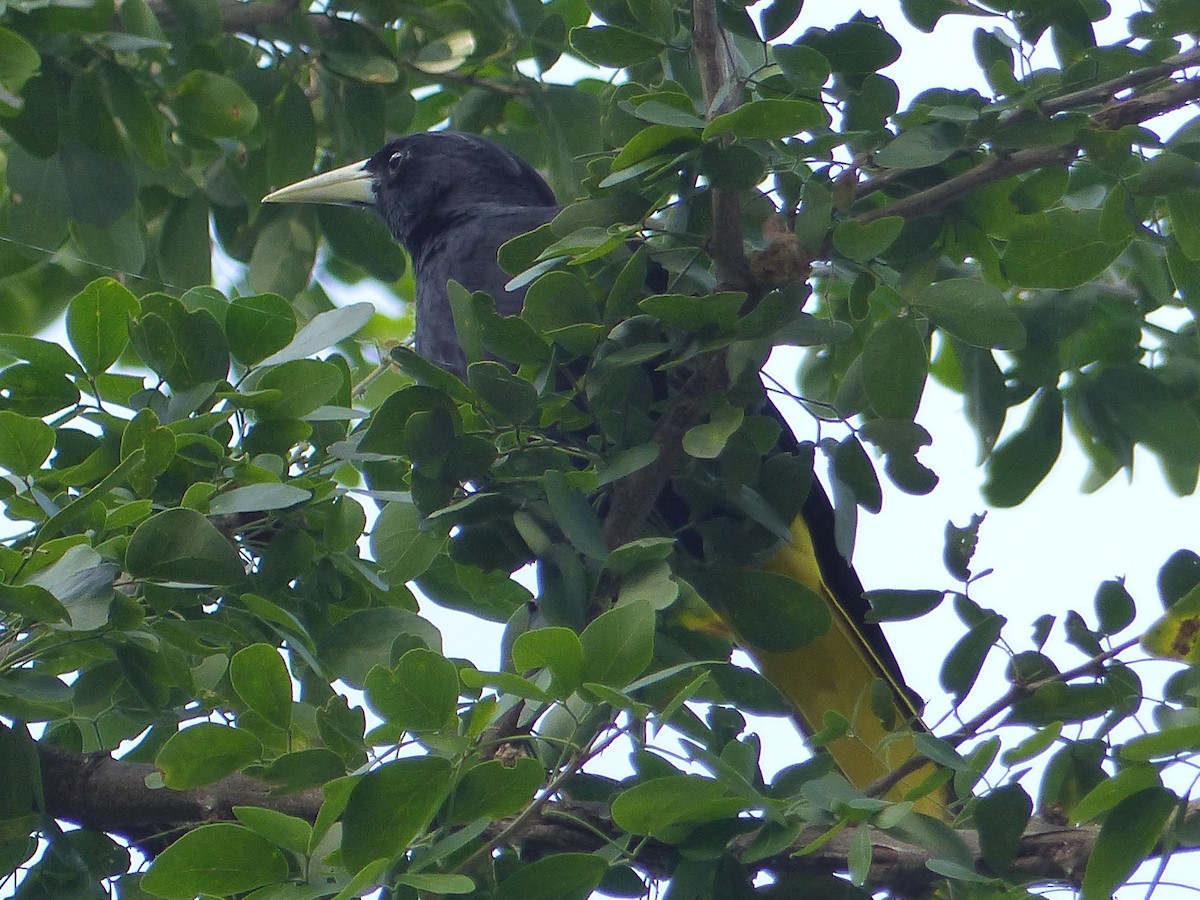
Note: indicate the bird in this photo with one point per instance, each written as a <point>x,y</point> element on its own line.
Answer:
<point>451,199</point>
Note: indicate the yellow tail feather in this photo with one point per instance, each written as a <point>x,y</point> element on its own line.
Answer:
<point>836,672</point>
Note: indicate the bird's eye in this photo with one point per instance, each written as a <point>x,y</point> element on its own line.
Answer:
<point>396,160</point>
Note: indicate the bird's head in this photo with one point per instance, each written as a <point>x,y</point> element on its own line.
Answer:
<point>417,181</point>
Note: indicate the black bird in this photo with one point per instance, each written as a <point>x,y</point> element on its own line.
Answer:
<point>451,200</point>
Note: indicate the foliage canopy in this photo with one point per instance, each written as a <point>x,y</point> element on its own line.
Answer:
<point>192,471</point>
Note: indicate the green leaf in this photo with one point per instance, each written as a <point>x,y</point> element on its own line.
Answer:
<point>1162,744</point>
<point>25,443</point>
<point>184,251</point>
<point>33,603</point>
<point>1061,249</point>
<point>858,859</point>
<point>364,639</point>
<point>419,694</point>
<point>973,311</point>
<point>895,367</point>
<point>446,53</point>
<point>804,67</point>
<point>626,462</point>
<point>303,385</point>
<point>38,199</point>
<point>961,667</point>
<point>863,242</point>
<point>34,392</point>
<point>82,582</point>
<point>142,122</point>
<point>856,47</point>
<point>491,595</point>
<point>562,876</point>
<point>769,611</point>
<point>574,515</point>
<point>505,683</point>
<point>1127,837</point>
<point>779,17</point>
<point>186,348</point>
<point>1115,609</point>
<point>924,145</point>
<point>513,399</point>
<point>1150,412</point>
<point>618,645</point>
<point>205,753</point>
<point>1001,817</point>
<point>494,789</point>
<point>360,237</point>
<point>400,545</point>
<point>219,859</point>
<point>1130,780</point>
<point>291,136</point>
<point>558,650</point>
<point>283,254</point>
<point>669,808</point>
<point>257,498</point>
<point>718,310</point>
<point>303,769</point>
<point>853,468</point>
<point>214,106</point>
<point>708,439</point>
<point>257,326</point>
<point>390,806</point>
<point>614,46</point>
<point>1184,210</point>
<point>902,605</point>
<point>367,68</point>
<point>1019,463</point>
<point>98,323</point>
<point>768,119</point>
<point>1032,746</point>
<point>387,432</point>
<point>323,331</point>
<point>437,884</point>
<point>289,832</point>
<point>44,354</point>
<point>260,677</point>
<point>18,60</point>
<point>183,546</point>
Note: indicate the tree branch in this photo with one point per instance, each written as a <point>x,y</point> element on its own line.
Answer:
<point>103,794</point>
<point>1115,114</point>
<point>717,75</point>
<point>634,496</point>
<point>95,791</point>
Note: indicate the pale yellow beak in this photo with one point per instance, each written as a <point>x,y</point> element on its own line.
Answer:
<point>346,186</point>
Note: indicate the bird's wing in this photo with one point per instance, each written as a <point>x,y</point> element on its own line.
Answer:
<point>837,671</point>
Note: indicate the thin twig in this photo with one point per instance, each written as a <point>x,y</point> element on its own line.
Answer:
<point>972,727</point>
<point>1114,114</point>
<point>556,783</point>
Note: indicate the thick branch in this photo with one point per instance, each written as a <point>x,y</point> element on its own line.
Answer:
<point>109,795</point>
<point>98,792</point>
<point>1107,90</point>
<point>634,496</point>
<point>717,75</point>
<point>945,193</point>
